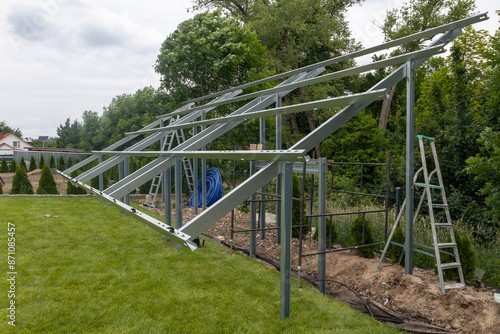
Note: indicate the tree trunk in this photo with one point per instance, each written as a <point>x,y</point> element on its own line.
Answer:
<point>386,106</point>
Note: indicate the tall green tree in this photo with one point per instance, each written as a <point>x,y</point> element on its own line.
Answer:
<point>208,53</point>
<point>68,135</point>
<point>41,162</point>
<point>13,166</point>
<point>22,164</point>
<point>4,128</point>
<point>89,130</point>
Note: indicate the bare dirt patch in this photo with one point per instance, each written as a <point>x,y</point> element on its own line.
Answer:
<point>415,301</point>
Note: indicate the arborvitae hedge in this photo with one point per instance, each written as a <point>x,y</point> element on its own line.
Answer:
<point>52,163</point>
<point>47,184</point>
<point>1,190</point>
<point>32,164</point>
<point>60,164</point>
<point>296,193</point>
<point>21,184</point>
<point>356,232</point>
<point>22,164</point>
<point>13,166</point>
<point>4,167</point>
<point>42,162</point>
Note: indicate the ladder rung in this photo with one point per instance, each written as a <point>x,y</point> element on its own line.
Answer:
<point>450,265</point>
<point>454,286</point>
<point>443,206</point>
<point>443,224</point>
<point>447,245</point>
<point>423,185</point>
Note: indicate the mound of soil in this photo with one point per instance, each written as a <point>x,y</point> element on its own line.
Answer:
<point>415,301</point>
<point>34,177</point>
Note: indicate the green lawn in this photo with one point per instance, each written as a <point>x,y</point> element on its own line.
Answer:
<point>93,270</point>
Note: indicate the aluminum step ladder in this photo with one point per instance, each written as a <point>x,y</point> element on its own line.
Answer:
<point>157,180</point>
<point>447,225</point>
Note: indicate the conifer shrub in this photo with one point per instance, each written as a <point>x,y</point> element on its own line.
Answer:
<point>4,167</point>
<point>70,163</point>
<point>42,162</point>
<point>75,190</point>
<point>394,252</point>
<point>334,234</point>
<point>21,184</point>
<point>356,233</point>
<point>52,163</point>
<point>60,164</point>
<point>47,185</point>
<point>296,193</point>
<point>32,164</point>
<point>13,166</point>
<point>22,164</point>
<point>1,190</point>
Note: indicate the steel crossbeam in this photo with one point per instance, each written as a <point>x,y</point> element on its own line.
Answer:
<point>196,142</point>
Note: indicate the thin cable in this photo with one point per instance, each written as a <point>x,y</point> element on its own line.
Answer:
<point>214,188</point>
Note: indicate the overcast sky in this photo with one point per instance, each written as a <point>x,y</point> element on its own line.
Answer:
<point>61,57</point>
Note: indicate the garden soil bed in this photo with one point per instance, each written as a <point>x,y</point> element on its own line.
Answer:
<point>411,302</point>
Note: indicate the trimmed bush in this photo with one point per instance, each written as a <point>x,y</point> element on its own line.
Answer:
<point>60,164</point>
<point>13,166</point>
<point>47,185</point>
<point>334,233</point>
<point>356,232</point>
<point>74,190</point>
<point>52,163</point>
<point>296,193</point>
<point>22,164</point>
<point>4,167</point>
<point>1,190</point>
<point>32,164</point>
<point>394,252</point>
<point>21,184</point>
<point>42,162</point>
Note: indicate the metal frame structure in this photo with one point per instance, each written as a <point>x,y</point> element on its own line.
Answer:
<point>261,104</point>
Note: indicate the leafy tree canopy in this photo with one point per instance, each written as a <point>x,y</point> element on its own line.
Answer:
<point>208,53</point>
<point>4,128</point>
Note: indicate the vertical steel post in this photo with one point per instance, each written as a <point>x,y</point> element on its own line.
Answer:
<point>203,172</point>
<point>398,200</point>
<point>195,179</point>
<point>322,224</point>
<point>286,239</point>
<point>167,188</point>
<point>410,168</point>
<point>126,171</point>
<point>245,176</point>
<point>278,178</point>
<point>262,206</point>
<point>178,193</point>
<point>121,166</point>
<point>101,176</point>
<point>387,193</point>
<point>253,212</point>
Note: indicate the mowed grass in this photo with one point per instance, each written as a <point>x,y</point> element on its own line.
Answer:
<point>94,270</point>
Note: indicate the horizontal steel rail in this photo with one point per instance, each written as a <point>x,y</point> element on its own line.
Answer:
<point>268,155</point>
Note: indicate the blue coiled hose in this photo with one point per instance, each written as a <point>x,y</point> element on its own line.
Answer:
<point>214,188</point>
